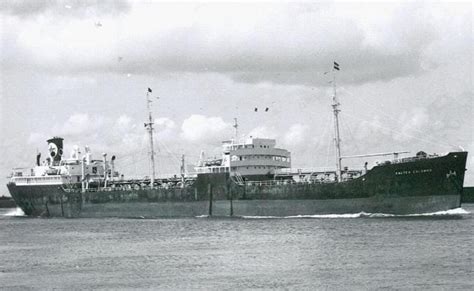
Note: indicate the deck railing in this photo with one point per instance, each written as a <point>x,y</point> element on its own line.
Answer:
<point>33,180</point>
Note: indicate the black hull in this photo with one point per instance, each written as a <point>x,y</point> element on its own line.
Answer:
<point>421,186</point>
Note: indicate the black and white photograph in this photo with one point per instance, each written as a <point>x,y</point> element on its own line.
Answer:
<point>299,145</point>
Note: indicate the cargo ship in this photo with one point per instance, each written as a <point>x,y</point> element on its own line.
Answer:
<point>252,178</point>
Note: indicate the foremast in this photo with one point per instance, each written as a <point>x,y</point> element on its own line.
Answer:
<point>336,110</point>
<point>149,127</point>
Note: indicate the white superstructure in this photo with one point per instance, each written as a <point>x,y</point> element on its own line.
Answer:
<point>253,157</point>
<point>58,171</point>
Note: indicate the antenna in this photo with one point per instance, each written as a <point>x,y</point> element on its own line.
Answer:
<point>236,126</point>
<point>183,168</point>
<point>336,110</point>
<point>149,127</point>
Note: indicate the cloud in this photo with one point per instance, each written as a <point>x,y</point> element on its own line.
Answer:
<point>79,124</point>
<point>165,122</point>
<point>123,123</point>
<point>200,128</point>
<point>263,132</point>
<point>125,136</point>
<point>28,8</point>
<point>296,135</point>
<point>165,128</point>
<point>251,43</point>
<point>412,123</point>
<point>121,135</point>
<point>368,129</point>
<point>443,124</point>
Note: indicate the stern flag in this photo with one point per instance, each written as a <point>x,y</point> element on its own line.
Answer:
<point>336,66</point>
<point>149,90</point>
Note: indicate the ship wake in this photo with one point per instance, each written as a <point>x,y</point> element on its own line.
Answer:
<point>15,212</point>
<point>448,213</point>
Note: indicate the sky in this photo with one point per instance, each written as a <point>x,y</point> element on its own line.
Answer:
<point>81,69</point>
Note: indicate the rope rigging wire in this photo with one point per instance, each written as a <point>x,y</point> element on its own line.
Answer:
<point>351,136</point>
<point>382,112</point>
<point>329,144</point>
<point>383,127</point>
<point>323,138</point>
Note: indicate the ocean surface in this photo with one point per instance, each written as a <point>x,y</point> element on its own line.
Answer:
<point>348,252</point>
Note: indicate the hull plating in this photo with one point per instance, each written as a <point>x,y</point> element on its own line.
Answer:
<point>420,186</point>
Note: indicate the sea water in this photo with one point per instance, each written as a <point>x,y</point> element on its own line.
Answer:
<point>350,251</point>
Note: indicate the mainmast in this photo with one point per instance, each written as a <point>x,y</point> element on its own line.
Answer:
<point>149,127</point>
<point>336,110</point>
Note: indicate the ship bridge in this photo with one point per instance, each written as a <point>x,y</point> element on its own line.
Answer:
<point>253,157</point>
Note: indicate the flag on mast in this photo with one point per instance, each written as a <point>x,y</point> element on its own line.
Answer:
<point>336,66</point>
